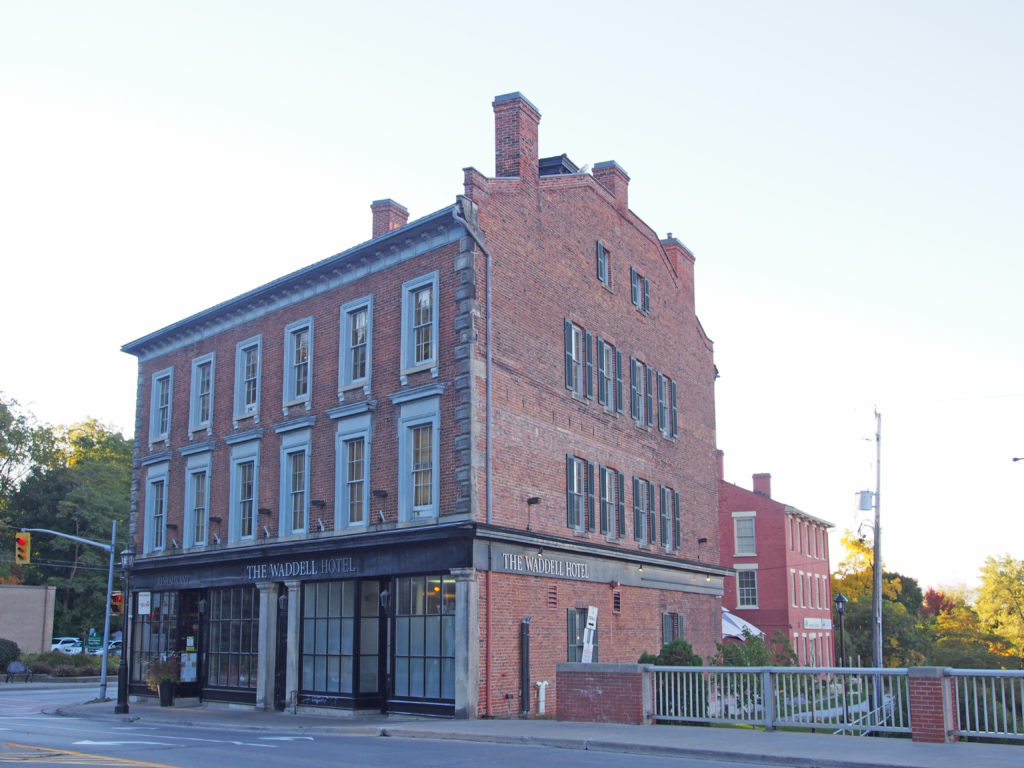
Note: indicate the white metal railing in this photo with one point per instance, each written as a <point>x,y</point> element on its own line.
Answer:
<point>829,698</point>
<point>988,702</point>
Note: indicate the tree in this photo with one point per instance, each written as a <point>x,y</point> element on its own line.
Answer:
<point>904,640</point>
<point>678,653</point>
<point>960,638</point>
<point>82,488</point>
<point>756,651</point>
<point>1000,602</point>
<point>23,445</point>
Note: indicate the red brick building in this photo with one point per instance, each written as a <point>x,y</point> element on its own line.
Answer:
<point>406,477</point>
<point>780,555</point>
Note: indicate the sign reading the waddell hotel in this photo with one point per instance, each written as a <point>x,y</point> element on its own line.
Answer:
<point>545,566</point>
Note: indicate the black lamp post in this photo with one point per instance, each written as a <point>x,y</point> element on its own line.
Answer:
<point>121,708</point>
<point>840,600</point>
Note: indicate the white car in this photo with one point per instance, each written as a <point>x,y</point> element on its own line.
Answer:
<point>68,645</point>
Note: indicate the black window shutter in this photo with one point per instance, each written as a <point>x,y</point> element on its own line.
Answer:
<point>638,510</point>
<point>589,373</point>
<point>568,355</point>
<point>652,522</point>
<point>601,373</point>
<point>663,512</point>
<point>570,505</point>
<point>666,628</point>
<point>675,520</point>
<point>602,263</point>
<point>618,381</point>
<point>620,503</point>
<point>647,295</point>
<point>590,496</point>
<point>649,393</point>
<point>672,399</point>
<point>634,286</point>
<point>662,424</point>
<point>634,393</point>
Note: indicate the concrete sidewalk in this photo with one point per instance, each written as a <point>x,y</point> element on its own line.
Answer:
<point>764,747</point>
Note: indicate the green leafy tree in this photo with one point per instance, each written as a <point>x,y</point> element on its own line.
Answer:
<point>755,651</point>
<point>905,642</point>
<point>1000,603</point>
<point>960,638</point>
<point>23,445</point>
<point>83,488</point>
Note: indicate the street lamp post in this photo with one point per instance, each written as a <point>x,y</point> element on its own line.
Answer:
<point>121,708</point>
<point>841,600</point>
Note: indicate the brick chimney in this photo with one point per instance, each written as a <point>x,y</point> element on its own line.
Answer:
<point>682,260</point>
<point>515,138</point>
<point>615,180</point>
<point>763,484</point>
<point>388,215</point>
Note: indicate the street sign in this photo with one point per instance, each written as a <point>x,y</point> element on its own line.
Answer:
<point>93,642</point>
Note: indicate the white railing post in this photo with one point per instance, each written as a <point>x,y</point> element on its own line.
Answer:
<point>768,698</point>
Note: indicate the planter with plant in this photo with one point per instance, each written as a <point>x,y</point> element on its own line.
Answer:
<point>162,675</point>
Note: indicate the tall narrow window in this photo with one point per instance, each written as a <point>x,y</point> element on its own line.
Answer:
<point>576,633</point>
<point>579,360</point>
<point>199,500</point>
<point>298,360</point>
<point>297,489</point>
<point>157,517</point>
<point>604,271</point>
<point>608,498</point>
<point>640,291</point>
<point>160,406</point>
<point>201,402</point>
<point>574,491</point>
<point>248,355</point>
<point>355,479</point>
<point>244,488</point>
<point>419,427</point>
<point>246,498</point>
<point>358,335</point>
<point>606,375</point>
<point>356,353</point>
<point>420,322</point>
<point>422,444</point>
<point>746,588</point>
<point>743,527</point>
<point>665,514</point>
<point>639,509</point>
<point>637,389</point>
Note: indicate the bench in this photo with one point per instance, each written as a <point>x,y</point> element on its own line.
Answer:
<point>17,668</point>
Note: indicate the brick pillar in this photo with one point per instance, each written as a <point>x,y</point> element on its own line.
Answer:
<point>932,705</point>
<point>600,693</point>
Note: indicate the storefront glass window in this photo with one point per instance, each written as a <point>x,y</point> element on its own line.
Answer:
<point>234,621</point>
<point>425,637</point>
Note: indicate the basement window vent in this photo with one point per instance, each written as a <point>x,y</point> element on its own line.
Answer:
<point>553,596</point>
<point>617,601</point>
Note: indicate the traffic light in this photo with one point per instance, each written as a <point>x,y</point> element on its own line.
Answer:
<point>22,548</point>
<point>116,603</point>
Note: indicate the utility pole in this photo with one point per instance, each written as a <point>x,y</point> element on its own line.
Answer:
<point>876,603</point>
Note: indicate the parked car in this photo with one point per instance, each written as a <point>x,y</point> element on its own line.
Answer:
<point>113,649</point>
<point>69,645</point>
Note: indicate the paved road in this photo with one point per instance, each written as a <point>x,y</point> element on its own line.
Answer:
<point>28,734</point>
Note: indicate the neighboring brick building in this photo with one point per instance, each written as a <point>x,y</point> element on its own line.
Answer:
<point>360,485</point>
<point>782,572</point>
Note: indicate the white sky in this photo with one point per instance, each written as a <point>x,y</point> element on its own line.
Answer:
<point>848,176</point>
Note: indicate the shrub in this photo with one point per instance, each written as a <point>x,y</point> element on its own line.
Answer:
<point>65,670</point>
<point>9,651</point>
<point>39,667</point>
<point>678,653</point>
